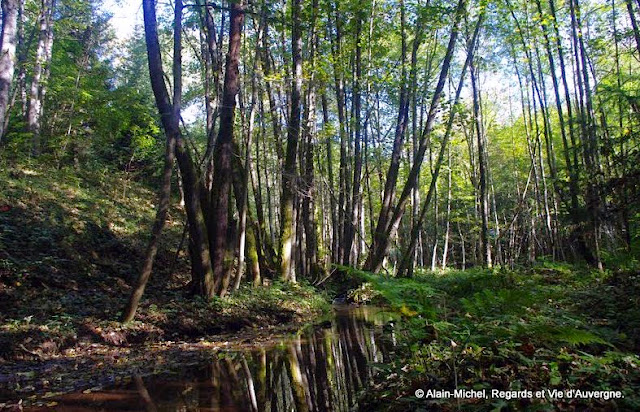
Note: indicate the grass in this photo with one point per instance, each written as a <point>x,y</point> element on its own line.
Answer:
<point>552,326</point>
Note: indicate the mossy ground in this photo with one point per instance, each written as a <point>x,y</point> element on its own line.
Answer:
<point>71,244</point>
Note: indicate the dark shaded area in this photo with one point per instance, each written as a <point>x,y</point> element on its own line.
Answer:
<point>318,369</point>
<point>71,244</point>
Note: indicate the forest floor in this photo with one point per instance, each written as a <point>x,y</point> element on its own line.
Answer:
<point>550,327</point>
<point>71,243</point>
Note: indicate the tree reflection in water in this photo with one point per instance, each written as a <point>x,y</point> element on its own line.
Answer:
<point>316,370</point>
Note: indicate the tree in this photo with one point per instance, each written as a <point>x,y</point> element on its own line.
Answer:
<point>171,127</point>
<point>8,41</point>
<point>223,159</point>
<point>287,228</point>
<point>383,234</point>
<point>38,88</point>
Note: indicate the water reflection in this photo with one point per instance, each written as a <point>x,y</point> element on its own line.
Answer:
<point>320,369</point>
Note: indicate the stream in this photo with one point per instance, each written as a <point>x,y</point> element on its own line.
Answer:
<point>320,368</point>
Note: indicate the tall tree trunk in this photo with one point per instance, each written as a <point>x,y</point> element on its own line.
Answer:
<point>624,201</point>
<point>356,196</point>
<point>170,124</point>
<point>248,172</point>
<point>589,140</point>
<point>309,200</point>
<point>332,198</point>
<point>573,166</point>
<point>483,173</point>
<point>223,158</point>
<point>634,23</point>
<point>445,247</point>
<point>212,80</point>
<point>400,130</point>
<point>39,78</point>
<point>434,250</point>
<point>343,181</point>
<point>170,117</point>
<point>287,232</point>
<point>8,41</point>
<point>263,240</point>
<point>573,189</point>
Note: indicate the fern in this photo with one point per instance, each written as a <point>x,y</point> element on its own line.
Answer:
<point>577,337</point>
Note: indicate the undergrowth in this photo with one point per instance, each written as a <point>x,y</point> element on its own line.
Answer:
<point>552,326</point>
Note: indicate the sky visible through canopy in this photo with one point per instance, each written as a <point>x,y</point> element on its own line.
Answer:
<point>496,85</point>
<point>126,14</point>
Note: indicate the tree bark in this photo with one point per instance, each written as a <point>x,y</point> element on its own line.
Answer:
<point>356,196</point>
<point>8,41</point>
<point>38,81</point>
<point>167,114</point>
<point>634,23</point>
<point>287,231</point>
<point>223,158</point>
<point>483,165</point>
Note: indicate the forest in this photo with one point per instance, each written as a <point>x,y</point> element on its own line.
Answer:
<point>320,205</point>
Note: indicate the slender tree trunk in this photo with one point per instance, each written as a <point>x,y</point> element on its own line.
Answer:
<point>245,245</point>
<point>405,265</point>
<point>332,198</point>
<point>152,247</point>
<point>624,202</point>
<point>212,79</point>
<point>223,158</point>
<point>309,200</point>
<point>483,173</point>
<point>590,144</point>
<point>463,250</point>
<point>287,231</point>
<point>379,250</point>
<point>8,41</point>
<point>39,78</point>
<point>271,95</point>
<point>244,197</point>
<point>634,23</point>
<point>356,196</point>
<point>343,181</point>
<point>19,89</point>
<point>445,247</point>
<point>169,123</point>
<point>399,135</point>
<point>573,189</point>
<point>574,166</point>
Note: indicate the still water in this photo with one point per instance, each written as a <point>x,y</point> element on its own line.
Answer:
<point>319,369</point>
